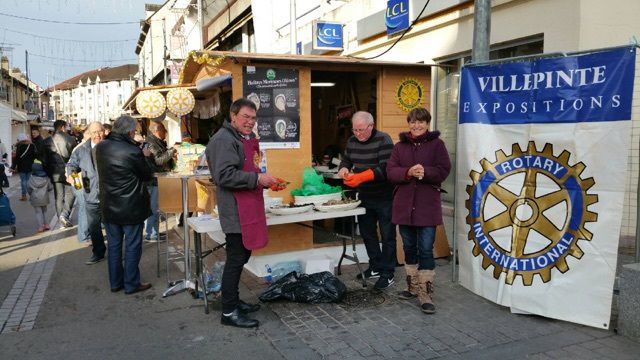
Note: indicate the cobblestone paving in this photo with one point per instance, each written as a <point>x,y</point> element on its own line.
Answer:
<point>465,326</point>
<point>20,308</point>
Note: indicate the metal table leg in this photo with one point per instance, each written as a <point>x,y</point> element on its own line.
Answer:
<point>353,257</point>
<point>197,242</point>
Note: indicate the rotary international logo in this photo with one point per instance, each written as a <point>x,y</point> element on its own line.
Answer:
<point>180,101</point>
<point>150,103</point>
<point>527,212</point>
<point>409,94</point>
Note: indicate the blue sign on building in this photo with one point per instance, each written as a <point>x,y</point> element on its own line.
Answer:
<point>396,17</point>
<point>327,35</point>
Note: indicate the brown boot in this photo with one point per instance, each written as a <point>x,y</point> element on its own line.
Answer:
<point>412,282</point>
<point>23,198</point>
<point>426,282</point>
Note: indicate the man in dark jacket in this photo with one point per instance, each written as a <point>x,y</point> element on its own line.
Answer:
<point>164,162</point>
<point>57,149</point>
<point>38,141</point>
<point>227,158</point>
<point>366,154</point>
<point>123,170</point>
<point>83,160</point>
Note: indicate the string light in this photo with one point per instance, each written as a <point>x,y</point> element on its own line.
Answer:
<point>68,22</point>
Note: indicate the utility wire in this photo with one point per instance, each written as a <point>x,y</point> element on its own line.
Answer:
<point>399,38</point>
<point>86,61</point>
<point>75,40</point>
<point>68,22</point>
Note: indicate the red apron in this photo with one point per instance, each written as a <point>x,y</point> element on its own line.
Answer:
<point>251,202</point>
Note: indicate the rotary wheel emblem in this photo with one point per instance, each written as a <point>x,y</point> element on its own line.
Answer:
<point>527,212</point>
<point>409,94</point>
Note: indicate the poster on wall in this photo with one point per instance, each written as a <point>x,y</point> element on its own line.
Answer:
<point>276,94</point>
<point>539,195</point>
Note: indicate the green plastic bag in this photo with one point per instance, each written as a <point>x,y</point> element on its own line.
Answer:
<point>313,184</point>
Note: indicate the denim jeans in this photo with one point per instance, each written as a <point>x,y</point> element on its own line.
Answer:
<point>417,242</point>
<point>64,199</point>
<point>24,179</point>
<point>94,226</point>
<point>237,256</point>
<point>379,215</point>
<point>151,228</point>
<point>83,228</point>
<point>131,237</point>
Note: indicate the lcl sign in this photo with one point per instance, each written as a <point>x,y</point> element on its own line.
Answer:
<point>327,35</point>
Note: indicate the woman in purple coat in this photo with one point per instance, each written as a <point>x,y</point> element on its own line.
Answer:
<point>418,165</point>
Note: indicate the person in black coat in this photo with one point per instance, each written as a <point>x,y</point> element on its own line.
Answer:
<point>123,171</point>
<point>57,151</point>
<point>38,141</point>
<point>25,154</point>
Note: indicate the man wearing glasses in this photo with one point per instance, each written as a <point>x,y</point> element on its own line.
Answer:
<point>83,159</point>
<point>233,154</point>
<point>366,155</point>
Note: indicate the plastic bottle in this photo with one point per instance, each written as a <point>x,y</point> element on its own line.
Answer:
<point>214,277</point>
<point>283,268</point>
<point>269,277</point>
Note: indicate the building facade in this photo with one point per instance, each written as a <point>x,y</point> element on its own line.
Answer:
<point>96,95</point>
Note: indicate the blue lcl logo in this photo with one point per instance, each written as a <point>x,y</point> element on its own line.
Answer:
<point>396,18</point>
<point>328,36</point>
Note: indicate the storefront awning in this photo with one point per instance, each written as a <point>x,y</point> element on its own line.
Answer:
<point>210,83</point>
<point>17,115</point>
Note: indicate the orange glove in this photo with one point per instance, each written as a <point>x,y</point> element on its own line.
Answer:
<point>359,178</point>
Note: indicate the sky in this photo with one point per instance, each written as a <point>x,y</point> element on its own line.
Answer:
<point>60,51</point>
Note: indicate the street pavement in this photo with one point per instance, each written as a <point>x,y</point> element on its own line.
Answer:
<point>53,306</point>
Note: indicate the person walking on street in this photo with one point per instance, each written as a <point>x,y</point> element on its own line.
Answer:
<point>83,235</point>
<point>4,182</point>
<point>39,187</point>
<point>123,170</point>
<point>58,150</point>
<point>418,166</point>
<point>25,154</point>
<point>366,154</point>
<point>163,160</point>
<point>38,141</point>
<point>83,160</point>
<point>233,157</point>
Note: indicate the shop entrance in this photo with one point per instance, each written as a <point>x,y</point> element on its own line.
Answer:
<point>335,97</point>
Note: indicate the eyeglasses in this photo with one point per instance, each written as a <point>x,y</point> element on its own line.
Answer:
<point>97,132</point>
<point>359,131</point>
<point>415,121</point>
<point>246,117</point>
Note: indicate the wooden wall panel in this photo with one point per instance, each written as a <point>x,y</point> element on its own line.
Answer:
<point>391,118</point>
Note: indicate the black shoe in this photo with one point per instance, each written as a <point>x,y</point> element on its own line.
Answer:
<point>94,260</point>
<point>141,287</point>
<point>428,308</point>
<point>238,319</point>
<point>247,308</point>
<point>383,283</point>
<point>116,289</point>
<point>368,274</point>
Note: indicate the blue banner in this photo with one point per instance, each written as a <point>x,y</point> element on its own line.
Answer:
<point>396,18</point>
<point>582,88</point>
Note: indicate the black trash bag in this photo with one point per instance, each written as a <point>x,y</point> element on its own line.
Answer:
<point>316,288</point>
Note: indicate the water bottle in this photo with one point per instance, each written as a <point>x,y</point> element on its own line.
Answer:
<point>269,277</point>
<point>214,278</point>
